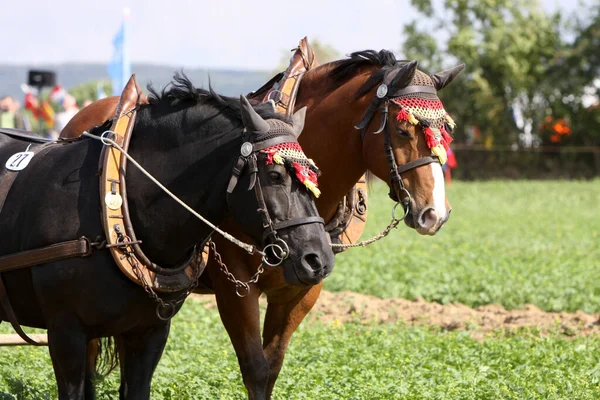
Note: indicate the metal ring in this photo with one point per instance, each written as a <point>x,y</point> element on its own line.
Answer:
<point>279,249</point>
<point>273,92</point>
<point>104,137</point>
<point>166,306</point>
<point>285,247</point>
<point>242,285</point>
<point>406,209</point>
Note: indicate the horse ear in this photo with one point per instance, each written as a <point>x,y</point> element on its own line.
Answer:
<point>252,121</point>
<point>442,79</point>
<point>405,75</point>
<point>298,121</point>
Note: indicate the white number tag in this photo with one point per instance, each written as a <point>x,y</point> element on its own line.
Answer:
<point>19,161</point>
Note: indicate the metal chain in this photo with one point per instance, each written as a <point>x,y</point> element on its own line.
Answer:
<point>393,224</point>
<point>170,305</point>
<point>230,277</point>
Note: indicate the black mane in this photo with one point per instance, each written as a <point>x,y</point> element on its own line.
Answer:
<point>345,69</point>
<point>182,90</point>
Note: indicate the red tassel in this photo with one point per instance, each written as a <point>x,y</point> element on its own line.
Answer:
<point>303,174</point>
<point>402,115</point>
<point>430,137</point>
<point>447,138</point>
<point>445,144</point>
<point>270,155</point>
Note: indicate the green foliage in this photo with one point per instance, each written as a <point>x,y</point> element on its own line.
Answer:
<point>517,57</point>
<point>510,243</point>
<point>89,91</point>
<point>348,361</point>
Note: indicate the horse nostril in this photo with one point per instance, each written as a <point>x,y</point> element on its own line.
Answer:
<point>427,218</point>
<point>313,261</point>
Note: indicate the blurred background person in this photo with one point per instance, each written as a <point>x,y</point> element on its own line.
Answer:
<point>69,110</point>
<point>11,115</point>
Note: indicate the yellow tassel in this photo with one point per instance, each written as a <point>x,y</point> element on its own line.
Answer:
<point>412,119</point>
<point>440,151</point>
<point>277,158</point>
<point>450,121</point>
<point>313,188</point>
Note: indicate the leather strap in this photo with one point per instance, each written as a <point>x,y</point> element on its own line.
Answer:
<point>11,317</point>
<point>413,89</point>
<point>298,221</point>
<point>21,134</point>
<point>283,92</point>
<point>274,141</point>
<point>417,163</point>
<point>55,252</point>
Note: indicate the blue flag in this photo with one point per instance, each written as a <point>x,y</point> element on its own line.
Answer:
<point>119,67</point>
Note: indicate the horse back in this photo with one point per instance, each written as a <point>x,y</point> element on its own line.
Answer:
<point>53,198</point>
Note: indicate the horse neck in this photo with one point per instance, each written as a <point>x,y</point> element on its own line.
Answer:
<point>329,137</point>
<point>194,160</point>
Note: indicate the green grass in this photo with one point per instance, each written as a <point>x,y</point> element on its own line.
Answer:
<point>507,242</point>
<point>510,243</point>
<point>348,362</point>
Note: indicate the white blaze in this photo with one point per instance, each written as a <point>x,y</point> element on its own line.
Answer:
<point>439,191</point>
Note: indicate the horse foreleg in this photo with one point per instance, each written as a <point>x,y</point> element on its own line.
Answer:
<point>140,351</point>
<point>67,342</point>
<point>241,318</point>
<point>283,317</point>
<point>92,349</point>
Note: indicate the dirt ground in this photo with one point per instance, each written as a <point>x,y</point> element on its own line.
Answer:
<point>349,306</point>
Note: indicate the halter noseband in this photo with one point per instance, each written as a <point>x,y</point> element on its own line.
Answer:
<point>385,93</point>
<point>247,161</point>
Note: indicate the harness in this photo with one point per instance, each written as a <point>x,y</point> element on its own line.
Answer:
<point>247,160</point>
<point>393,86</point>
<point>120,236</point>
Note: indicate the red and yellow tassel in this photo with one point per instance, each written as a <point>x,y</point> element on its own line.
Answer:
<point>430,137</point>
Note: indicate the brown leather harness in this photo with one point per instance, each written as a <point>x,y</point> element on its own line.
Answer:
<point>386,92</point>
<point>120,236</point>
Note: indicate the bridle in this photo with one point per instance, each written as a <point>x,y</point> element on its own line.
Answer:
<point>276,250</point>
<point>386,92</point>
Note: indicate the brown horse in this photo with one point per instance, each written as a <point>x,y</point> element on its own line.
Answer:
<point>337,95</point>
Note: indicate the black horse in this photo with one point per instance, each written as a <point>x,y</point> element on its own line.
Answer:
<point>190,140</point>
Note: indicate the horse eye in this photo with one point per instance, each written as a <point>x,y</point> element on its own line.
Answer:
<point>403,133</point>
<point>275,177</point>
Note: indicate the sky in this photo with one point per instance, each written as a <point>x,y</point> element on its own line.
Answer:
<point>230,34</point>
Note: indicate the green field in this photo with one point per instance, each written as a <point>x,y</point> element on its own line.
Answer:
<point>348,361</point>
<point>510,243</point>
<point>507,242</point>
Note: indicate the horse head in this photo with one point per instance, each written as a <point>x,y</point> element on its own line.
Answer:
<point>415,132</point>
<point>282,182</point>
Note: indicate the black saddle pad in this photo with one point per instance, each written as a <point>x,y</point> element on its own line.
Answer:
<point>24,135</point>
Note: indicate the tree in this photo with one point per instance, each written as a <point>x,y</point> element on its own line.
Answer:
<point>509,47</point>
<point>89,91</point>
